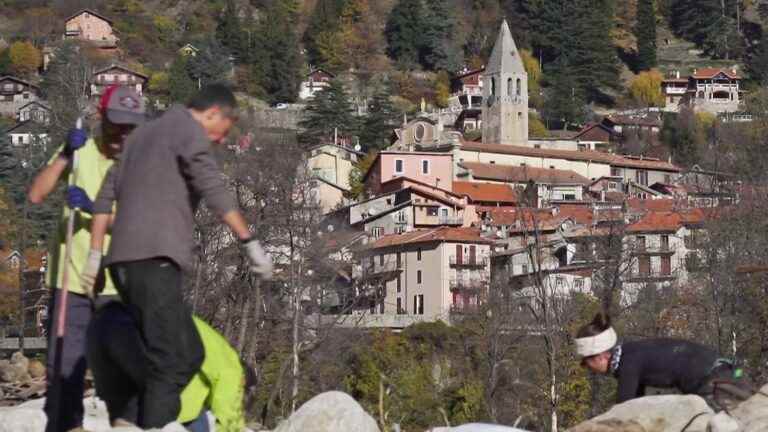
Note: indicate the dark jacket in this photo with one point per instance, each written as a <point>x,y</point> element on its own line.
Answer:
<point>165,169</point>
<point>661,363</point>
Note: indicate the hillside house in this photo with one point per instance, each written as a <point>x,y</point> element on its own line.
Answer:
<point>331,165</point>
<point>28,132</point>
<point>674,88</point>
<point>467,89</point>
<point>715,90</point>
<point>16,93</point>
<point>424,275</point>
<point>188,50</point>
<point>315,81</point>
<point>90,26</point>
<point>117,75</point>
<point>36,111</point>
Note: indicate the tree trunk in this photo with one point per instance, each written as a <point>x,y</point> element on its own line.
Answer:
<point>295,348</point>
<point>244,312</point>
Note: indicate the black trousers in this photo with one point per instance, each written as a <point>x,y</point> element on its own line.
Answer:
<point>152,289</point>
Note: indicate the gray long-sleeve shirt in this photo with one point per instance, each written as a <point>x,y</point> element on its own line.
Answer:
<point>164,171</point>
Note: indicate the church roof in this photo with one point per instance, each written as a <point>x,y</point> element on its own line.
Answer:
<point>505,56</point>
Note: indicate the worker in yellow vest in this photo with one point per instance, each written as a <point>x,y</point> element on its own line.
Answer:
<point>117,357</point>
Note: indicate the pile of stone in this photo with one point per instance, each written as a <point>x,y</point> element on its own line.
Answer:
<point>672,413</point>
<point>21,379</point>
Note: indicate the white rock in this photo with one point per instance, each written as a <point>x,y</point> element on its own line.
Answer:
<point>477,427</point>
<point>753,413</point>
<point>665,413</point>
<point>722,422</point>
<point>22,419</point>
<point>330,412</point>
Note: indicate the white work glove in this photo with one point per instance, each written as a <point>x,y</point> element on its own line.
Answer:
<point>260,262</point>
<point>90,273</point>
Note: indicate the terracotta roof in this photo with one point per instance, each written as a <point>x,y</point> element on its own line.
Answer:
<point>589,127</point>
<point>522,174</point>
<point>440,234</point>
<point>636,120</point>
<point>401,182</point>
<point>18,80</point>
<point>706,73</point>
<point>667,221</point>
<point>486,192</point>
<point>586,156</point>
<point>662,204</point>
<point>469,72</point>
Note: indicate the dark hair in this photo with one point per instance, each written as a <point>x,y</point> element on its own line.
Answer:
<point>599,324</point>
<point>213,95</point>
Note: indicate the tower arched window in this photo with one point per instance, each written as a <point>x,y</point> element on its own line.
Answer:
<point>518,87</point>
<point>510,89</point>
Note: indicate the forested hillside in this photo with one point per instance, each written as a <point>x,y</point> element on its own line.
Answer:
<point>587,50</point>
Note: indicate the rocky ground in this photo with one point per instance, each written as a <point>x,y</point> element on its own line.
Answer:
<point>21,380</point>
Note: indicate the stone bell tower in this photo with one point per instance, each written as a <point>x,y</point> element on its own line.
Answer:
<point>505,94</point>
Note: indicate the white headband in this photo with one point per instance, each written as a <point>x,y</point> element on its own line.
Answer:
<point>589,346</point>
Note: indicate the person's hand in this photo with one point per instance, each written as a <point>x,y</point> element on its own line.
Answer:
<point>260,262</point>
<point>77,198</point>
<point>76,139</point>
<point>90,273</point>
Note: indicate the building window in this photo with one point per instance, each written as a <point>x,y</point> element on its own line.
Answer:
<point>667,178</point>
<point>418,304</point>
<point>377,232</point>
<point>399,166</point>
<point>665,242</point>
<point>400,216</point>
<point>400,306</point>
<point>419,132</point>
<point>666,265</point>
<point>399,260</point>
<point>381,259</point>
<point>418,254</point>
<point>493,86</point>
<point>641,243</point>
<point>425,167</point>
<point>612,186</point>
<point>644,265</point>
<point>431,211</point>
<point>418,277</point>
<point>578,284</point>
<point>399,287</point>
<point>26,95</point>
<point>524,269</point>
<point>510,89</point>
<point>642,177</point>
<point>615,172</point>
<point>518,88</point>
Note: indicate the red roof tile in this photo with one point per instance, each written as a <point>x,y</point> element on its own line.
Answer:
<point>667,221</point>
<point>440,234</point>
<point>706,73</point>
<point>586,156</point>
<point>486,192</point>
<point>522,174</point>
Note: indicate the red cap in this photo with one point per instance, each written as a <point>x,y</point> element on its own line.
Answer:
<point>122,105</point>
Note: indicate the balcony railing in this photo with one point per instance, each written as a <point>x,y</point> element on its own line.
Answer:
<point>381,271</point>
<point>655,250</point>
<point>654,276</point>
<point>468,261</point>
<point>468,284</point>
<point>450,221</point>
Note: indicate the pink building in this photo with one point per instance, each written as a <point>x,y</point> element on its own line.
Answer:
<point>91,26</point>
<point>434,169</point>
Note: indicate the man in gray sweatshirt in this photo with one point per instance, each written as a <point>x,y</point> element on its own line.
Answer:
<point>166,169</point>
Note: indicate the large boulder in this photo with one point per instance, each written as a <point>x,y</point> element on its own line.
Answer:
<point>330,412</point>
<point>22,419</point>
<point>752,414</point>
<point>477,427</point>
<point>722,422</point>
<point>36,369</point>
<point>14,372</point>
<point>667,413</point>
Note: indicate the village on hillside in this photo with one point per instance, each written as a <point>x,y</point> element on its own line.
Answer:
<point>479,209</point>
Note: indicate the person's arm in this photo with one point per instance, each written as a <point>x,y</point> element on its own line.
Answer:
<point>103,207</point>
<point>629,383</point>
<point>45,181</point>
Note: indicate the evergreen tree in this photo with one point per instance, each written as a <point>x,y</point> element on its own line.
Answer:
<point>277,62</point>
<point>381,121</point>
<point>5,62</point>
<point>229,31</point>
<point>180,86</point>
<point>758,62</point>
<point>211,64</point>
<point>329,111</point>
<point>704,23</point>
<point>645,32</point>
<point>324,21</point>
<point>404,32</point>
<point>564,98</point>
<point>439,50</point>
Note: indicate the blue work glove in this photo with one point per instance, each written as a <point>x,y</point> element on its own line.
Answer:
<point>76,138</point>
<point>78,199</point>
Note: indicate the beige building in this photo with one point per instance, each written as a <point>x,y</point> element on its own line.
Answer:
<point>427,275</point>
<point>117,75</point>
<point>91,26</point>
<point>505,94</point>
<point>331,166</point>
<point>15,93</point>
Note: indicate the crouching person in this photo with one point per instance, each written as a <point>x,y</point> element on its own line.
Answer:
<point>117,356</point>
<point>663,363</point>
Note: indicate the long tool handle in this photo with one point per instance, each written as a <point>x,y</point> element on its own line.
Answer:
<point>61,317</point>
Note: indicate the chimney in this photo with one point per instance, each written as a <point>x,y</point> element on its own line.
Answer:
<point>677,74</point>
